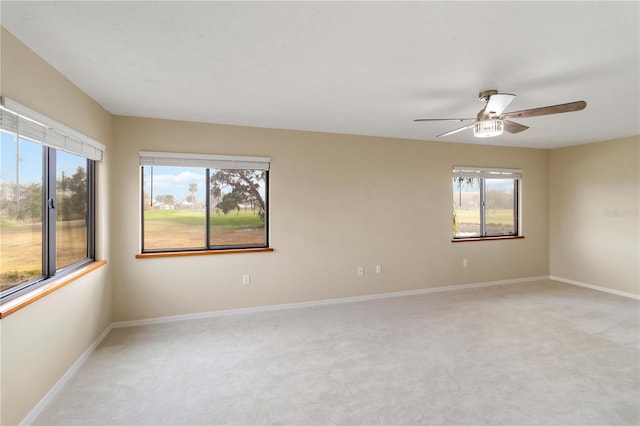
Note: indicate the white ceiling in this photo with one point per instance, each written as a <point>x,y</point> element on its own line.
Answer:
<point>366,68</point>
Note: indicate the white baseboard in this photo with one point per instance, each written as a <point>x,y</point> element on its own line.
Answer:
<point>595,287</point>
<point>35,411</point>
<point>323,302</point>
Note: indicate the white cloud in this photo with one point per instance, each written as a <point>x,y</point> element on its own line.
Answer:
<point>178,184</point>
<point>184,178</point>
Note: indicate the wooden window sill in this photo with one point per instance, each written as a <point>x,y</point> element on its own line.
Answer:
<point>468,240</point>
<point>202,252</point>
<point>28,298</point>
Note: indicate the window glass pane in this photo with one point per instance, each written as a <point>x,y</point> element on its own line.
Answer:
<point>466,208</point>
<point>174,207</point>
<point>20,211</point>
<point>237,207</point>
<point>71,209</point>
<point>499,210</point>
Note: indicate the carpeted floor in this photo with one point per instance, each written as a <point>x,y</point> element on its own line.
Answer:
<point>539,353</point>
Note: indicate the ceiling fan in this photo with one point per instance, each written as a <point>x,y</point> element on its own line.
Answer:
<point>492,120</point>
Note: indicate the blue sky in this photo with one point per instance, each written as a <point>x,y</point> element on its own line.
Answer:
<point>31,161</point>
<point>175,181</point>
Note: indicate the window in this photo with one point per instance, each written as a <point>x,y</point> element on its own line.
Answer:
<point>485,202</point>
<point>203,202</point>
<point>46,199</point>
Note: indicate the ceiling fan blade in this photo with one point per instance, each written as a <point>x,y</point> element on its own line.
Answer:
<point>468,126</point>
<point>553,109</point>
<point>445,119</point>
<point>512,127</point>
<point>498,103</point>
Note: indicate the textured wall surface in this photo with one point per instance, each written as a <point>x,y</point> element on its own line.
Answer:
<point>595,220</point>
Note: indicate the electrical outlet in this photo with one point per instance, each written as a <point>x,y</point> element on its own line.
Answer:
<point>378,269</point>
<point>360,271</point>
<point>246,279</point>
<point>465,263</point>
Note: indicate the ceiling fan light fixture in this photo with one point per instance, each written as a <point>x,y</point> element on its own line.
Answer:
<point>488,128</point>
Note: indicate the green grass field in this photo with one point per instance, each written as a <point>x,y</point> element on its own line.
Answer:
<point>498,222</point>
<point>232,220</point>
<point>498,216</point>
<point>175,229</point>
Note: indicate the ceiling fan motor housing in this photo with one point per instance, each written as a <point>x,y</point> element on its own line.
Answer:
<point>484,96</point>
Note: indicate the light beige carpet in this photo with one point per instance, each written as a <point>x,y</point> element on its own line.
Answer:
<point>526,354</point>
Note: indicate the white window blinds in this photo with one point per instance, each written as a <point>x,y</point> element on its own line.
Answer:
<point>486,173</point>
<point>26,123</point>
<point>209,161</point>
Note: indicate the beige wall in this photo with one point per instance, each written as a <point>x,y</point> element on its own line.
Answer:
<point>336,202</point>
<point>594,200</point>
<point>41,342</point>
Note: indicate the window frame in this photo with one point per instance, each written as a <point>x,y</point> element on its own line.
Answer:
<point>76,144</point>
<point>482,175</point>
<point>49,262</point>
<point>202,161</point>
